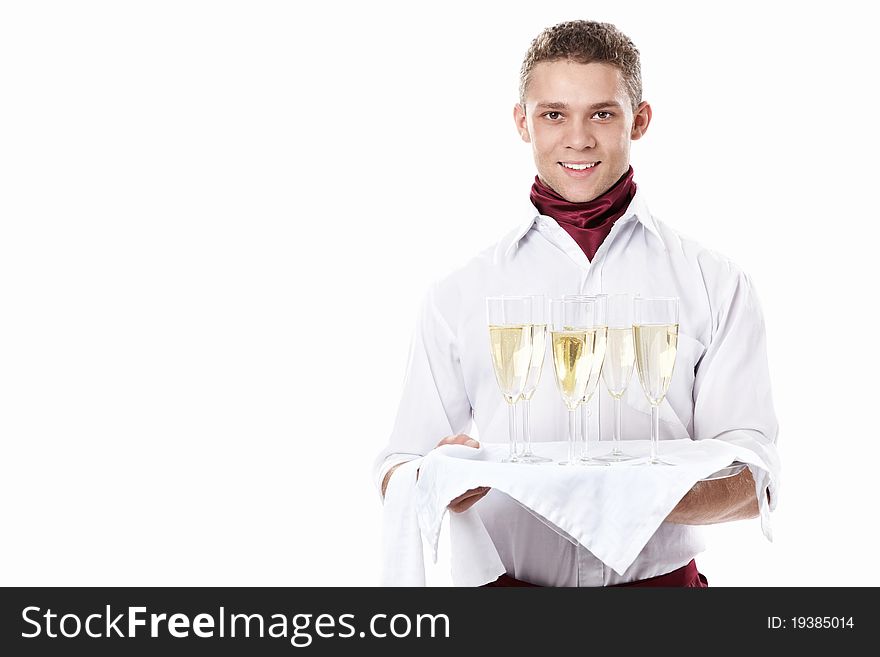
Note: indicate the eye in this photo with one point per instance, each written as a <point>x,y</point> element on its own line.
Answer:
<point>552,115</point>
<point>602,115</point>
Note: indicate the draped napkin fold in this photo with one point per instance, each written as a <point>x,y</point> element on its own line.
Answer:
<point>475,560</point>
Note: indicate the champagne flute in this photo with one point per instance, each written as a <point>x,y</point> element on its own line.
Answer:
<point>598,327</point>
<point>572,345</point>
<point>536,364</point>
<point>619,362</point>
<point>510,340</point>
<point>655,338</point>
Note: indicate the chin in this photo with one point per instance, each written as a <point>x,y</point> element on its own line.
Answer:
<point>578,195</point>
<point>581,198</point>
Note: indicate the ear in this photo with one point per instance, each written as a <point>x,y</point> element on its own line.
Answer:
<point>522,124</point>
<point>641,120</point>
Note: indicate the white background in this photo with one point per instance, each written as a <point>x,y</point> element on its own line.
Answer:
<point>219,218</point>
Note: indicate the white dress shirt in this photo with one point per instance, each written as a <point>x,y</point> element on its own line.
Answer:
<point>720,388</point>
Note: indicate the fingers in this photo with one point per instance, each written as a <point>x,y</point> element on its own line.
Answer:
<point>467,500</point>
<point>459,439</point>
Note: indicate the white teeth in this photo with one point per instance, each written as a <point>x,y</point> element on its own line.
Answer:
<point>579,167</point>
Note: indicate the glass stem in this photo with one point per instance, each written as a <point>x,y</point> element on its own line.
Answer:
<point>527,430</point>
<point>572,435</point>
<point>511,424</point>
<point>616,449</point>
<point>585,427</point>
<point>655,431</point>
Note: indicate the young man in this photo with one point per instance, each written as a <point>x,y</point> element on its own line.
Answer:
<point>588,231</point>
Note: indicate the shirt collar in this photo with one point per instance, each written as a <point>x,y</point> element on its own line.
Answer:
<point>637,208</point>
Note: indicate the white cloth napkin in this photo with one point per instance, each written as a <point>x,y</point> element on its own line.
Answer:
<point>402,557</point>
<point>474,559</point>
<point>611,510</point>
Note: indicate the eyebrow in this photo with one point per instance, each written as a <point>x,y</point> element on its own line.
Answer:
<point>564,106</point>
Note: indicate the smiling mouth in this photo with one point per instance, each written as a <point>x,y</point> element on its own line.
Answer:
<point>579,166</point>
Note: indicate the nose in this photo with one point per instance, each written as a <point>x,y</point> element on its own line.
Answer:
<point>580,135</point>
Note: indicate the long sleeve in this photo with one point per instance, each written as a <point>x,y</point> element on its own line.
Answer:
<point>434,403</point>
<point>732,397</point>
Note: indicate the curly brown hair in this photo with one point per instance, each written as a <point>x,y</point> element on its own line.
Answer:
<point>585,42</point>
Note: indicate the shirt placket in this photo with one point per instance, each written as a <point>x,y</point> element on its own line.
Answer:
<point>590,571</point>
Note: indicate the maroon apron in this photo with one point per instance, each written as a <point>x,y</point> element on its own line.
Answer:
<point>687,576</point>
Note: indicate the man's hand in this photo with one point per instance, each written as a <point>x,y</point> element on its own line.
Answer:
<point>719,500</point>
<point>467,499</point>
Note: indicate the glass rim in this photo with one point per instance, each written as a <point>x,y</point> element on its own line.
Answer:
<point>655,298</point>
<point>582,299</point>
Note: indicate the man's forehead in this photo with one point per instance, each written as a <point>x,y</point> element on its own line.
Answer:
<point>563,82</point>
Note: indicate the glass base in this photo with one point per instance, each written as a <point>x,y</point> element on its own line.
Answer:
<point>656,461</point>
<point>616,457</point>
<point>589,460</point>
<point>533,458</point>
<point>512,459</point>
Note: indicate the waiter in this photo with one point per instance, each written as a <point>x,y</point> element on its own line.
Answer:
<point>587,229</point>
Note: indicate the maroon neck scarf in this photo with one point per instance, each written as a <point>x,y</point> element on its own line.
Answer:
<point>588,223</point>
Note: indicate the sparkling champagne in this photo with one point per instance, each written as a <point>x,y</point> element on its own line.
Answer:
<point>619,361</point>
<point>536,363</point>
<point>571,359</point>
<point>655,348</point>
<point>511,352</point>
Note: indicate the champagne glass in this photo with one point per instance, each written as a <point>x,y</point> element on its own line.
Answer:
<point>619,362</point>
<point>572,345</point>
<point>655,338</point>
<point>510,340</point>
<point>598,329</point>
<point>536,364</point>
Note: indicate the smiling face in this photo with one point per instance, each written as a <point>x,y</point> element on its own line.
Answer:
<point>580,122</point>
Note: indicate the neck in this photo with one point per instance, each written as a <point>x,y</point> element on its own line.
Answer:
<point>589,222</point>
